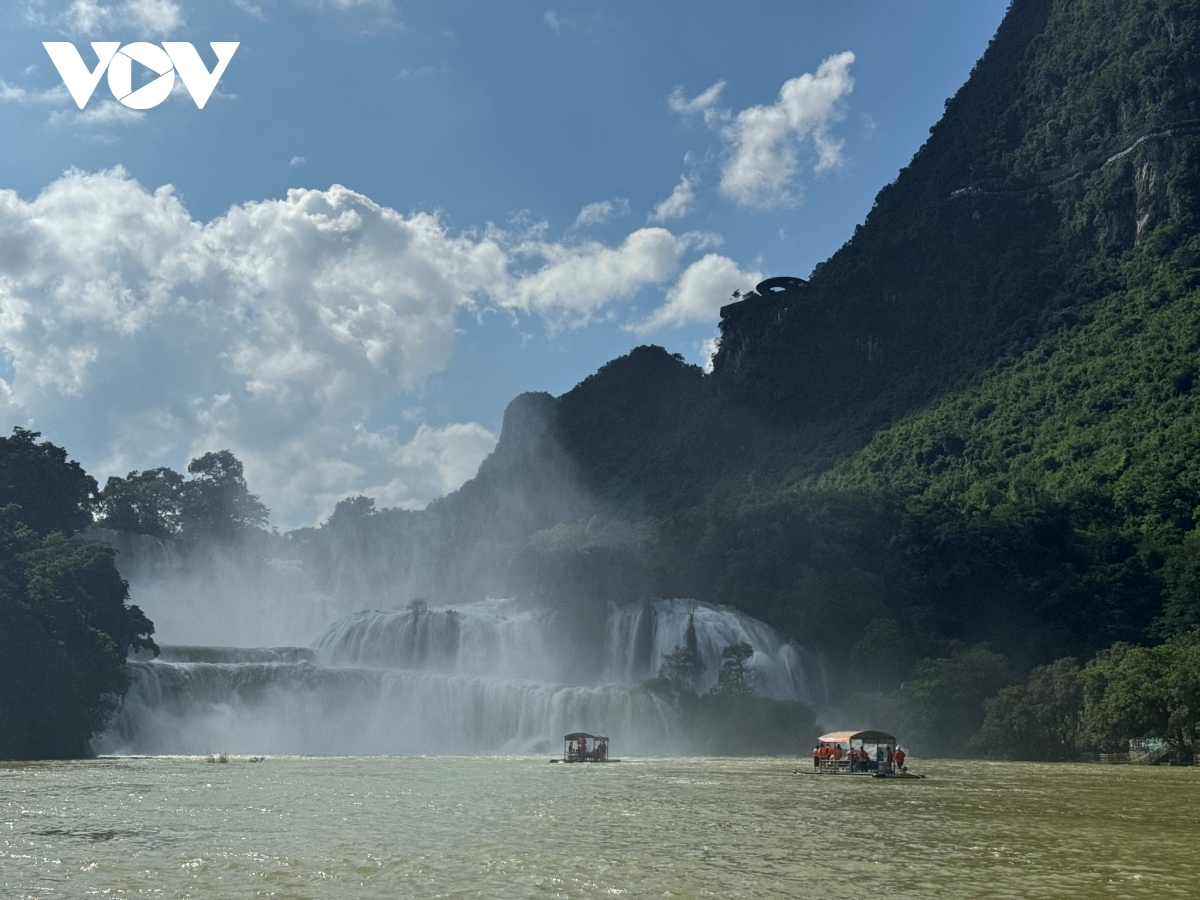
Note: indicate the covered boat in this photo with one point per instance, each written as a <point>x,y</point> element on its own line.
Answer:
<point>576,748</point>
<point>868,752</point>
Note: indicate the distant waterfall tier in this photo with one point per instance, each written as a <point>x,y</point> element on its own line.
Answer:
<point>502,637</point>
<point>493,637</point>
<point>298,707</point>
<point>641,635</point>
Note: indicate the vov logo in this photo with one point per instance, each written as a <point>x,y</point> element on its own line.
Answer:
<point>173,57</point>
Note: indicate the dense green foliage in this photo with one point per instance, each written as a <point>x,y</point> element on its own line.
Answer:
<point>1064,712</point>
<point>213,505</point>
<point>65,627</point>
<point>54,493</point>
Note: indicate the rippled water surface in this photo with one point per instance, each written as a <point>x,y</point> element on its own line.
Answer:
<point>517,827</point>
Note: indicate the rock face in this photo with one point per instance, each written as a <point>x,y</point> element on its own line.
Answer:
<point>1068,139</point>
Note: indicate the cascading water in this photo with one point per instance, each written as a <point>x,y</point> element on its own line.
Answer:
<point>474,678</point>
<point>641,635</point>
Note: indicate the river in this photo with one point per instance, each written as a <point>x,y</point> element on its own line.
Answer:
<point>495,827</point>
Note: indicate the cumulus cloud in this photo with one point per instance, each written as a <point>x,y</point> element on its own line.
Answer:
<point>702,102</point>
<point>273,330</point>
<point>602,211</point>
<point>435,462</point>
<point>577,280</point>
<point>138,336</point>
<point>765,142</point>
<point>679,204</point>
<point>703,288</point>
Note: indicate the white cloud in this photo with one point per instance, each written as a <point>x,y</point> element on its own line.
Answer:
<point>155,16</point>
<point>99,114</point>
<point>152,18</point>
<point>679,204</point>
<point>435,462</point>
<point>602,211</point>
<point>702,102</point>
<point>137,336</point>
<point>274,330</point>
<point>584,23</point>
<point>764,142</point>
<point>577,280</point>
<point>297,161</point>
<point>11,93</point>
<point>703,288</point>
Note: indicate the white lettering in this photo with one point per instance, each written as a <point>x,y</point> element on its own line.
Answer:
<point>74,71</point>
<point>196,78</point>
<point>173,57</point>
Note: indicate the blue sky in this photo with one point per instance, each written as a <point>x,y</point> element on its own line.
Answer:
<point>527,190</point>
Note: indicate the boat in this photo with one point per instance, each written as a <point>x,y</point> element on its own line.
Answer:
<point>576,749</point>
<point>843,752</point>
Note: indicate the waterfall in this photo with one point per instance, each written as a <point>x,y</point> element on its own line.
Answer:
<point>493,637</point>
<point>484,677</point>
<point>305,708</point>
<point>641,635</point>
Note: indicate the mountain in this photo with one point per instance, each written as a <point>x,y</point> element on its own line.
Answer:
<point>976,422</point>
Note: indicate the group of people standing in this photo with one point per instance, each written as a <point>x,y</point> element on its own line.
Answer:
<point>580,751</point>
<point>885,759</point>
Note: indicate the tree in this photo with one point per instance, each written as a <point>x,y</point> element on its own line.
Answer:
<point>1146,692</point>
<point>146,502</point>
<point>65,630</point>
<point>733,680</point>
<point>54,494</point>
<point>216,503</point>
<point>882,656</point>
<point>1037,720</point>
<point>944,697</point>
<point>681,667</point>
<point>351,513</point>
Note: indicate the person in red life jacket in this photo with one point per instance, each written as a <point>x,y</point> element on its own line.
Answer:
<point>900,755</point>
<point>837,753</point>
<point>816,757</point>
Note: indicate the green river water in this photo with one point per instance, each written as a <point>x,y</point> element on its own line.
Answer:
<point>496,827</point>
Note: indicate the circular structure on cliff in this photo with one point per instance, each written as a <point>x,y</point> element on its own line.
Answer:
<point>782,284</point>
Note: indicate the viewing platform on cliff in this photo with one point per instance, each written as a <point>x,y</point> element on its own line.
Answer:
<point>782,287</point>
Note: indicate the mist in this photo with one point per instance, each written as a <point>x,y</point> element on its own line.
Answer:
<point>496,620</point>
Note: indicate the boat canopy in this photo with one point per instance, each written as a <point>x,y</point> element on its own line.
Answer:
<point>576,735</point>
<point>867,737</point>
